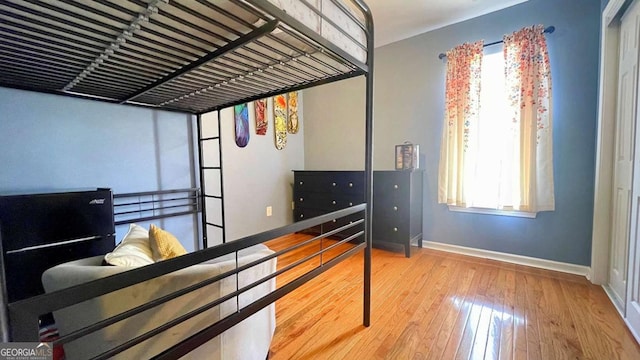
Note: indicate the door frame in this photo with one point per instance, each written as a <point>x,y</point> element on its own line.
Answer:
<point>605,155</point>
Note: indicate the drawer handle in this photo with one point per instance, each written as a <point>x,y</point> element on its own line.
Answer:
<point>395,229</point>
<point>301,182</point>
<point>301,216</point>
<point>350,204</point>
<point>395,186</point>
<point>350,184</point>
<point>333,202</point>
<point>395,208</point>
<point>301,199</point>
<point>334,220</point>
<point>333,184</point>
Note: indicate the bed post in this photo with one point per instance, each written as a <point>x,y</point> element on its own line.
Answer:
<point>222,220</point>
<point>368,167</point>
<point>4,299</point>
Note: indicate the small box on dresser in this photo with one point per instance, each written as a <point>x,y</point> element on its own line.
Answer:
<point>397,208</point>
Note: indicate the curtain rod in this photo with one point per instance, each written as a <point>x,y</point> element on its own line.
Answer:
<point>547,30</point>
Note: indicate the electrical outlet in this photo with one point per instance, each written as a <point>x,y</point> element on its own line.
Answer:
<point>269,211</point>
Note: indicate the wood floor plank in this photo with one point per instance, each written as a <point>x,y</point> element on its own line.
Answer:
<point>539,305</point>
<point>484,334</point>
<point>602,332</point>
<point>424,309</point>
<point>462,302</point>
<point>438,313</point>
<point>436,337</point>
<point>386,303</point>
<point>496,299</point>
<point>565,341</point>
<point>471,329</point>
<point>520,318</point>
<point>530,317</point>
<point>415,283</point>
<point>385,296</point>
<point>437,305</point>
<point>506,282</point>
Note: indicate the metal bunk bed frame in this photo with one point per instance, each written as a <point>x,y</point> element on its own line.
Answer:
<point>73,49</point>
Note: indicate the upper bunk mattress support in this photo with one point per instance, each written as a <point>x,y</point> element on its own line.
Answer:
<point>278,92</point>
<point>188,56</point>
<point>253,35</point>
<point>288,19</point>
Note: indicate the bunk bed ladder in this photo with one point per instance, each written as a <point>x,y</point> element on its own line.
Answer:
<point>212,199</point>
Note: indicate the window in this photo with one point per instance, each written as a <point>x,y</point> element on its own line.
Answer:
<point>496,150</point>
<point>489,183</point>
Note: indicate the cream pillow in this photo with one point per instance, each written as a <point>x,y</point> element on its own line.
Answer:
<point>163,244</point>
<point>133,250</point>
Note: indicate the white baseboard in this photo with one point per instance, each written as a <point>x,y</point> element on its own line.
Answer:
<point>613,299</point>
<point>510,258</point>
<point>633,332</point>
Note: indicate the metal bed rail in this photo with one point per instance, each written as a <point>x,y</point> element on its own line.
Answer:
<point>152,205</point>
<point>24,314</point>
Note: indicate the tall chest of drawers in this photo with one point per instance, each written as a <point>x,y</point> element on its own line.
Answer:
<point>397,208</point>
<point>397,202</point>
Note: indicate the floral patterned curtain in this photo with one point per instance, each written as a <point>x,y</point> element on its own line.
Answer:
<point>528,87</point>
<point>462,99</point>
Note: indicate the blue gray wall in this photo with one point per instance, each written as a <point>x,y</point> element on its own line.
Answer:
<point>50,142</point>
<point>409,105</point>
<point>255,177</point>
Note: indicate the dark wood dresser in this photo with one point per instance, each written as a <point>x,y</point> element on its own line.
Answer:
<point>397,202</point>
<point>320,192</point>
<point>397,208</point>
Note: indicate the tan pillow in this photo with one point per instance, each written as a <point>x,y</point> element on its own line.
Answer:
<point>163,244</point>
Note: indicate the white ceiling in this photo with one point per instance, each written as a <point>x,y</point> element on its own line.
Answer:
<point>395,20</point>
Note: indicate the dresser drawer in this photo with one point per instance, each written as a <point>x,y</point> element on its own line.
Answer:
<point>336,223</point>
<point>300,214</point>
<point>309,200</point>
<point>326,201</point>
<point>309,183</point>
<point>390,219</point>
<point>389,232</point>
<point>347,182</point>
<point>394,182</point>
<point>390,209</point>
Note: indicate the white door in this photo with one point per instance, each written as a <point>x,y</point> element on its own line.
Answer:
<point>624,155</point>
<point>632,20</point>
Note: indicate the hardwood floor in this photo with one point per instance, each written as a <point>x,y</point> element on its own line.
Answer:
<point>437,305</point>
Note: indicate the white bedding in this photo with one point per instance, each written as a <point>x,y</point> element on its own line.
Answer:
<point>315,22</point>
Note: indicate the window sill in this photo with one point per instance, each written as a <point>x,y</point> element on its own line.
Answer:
<point>513,213</point>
